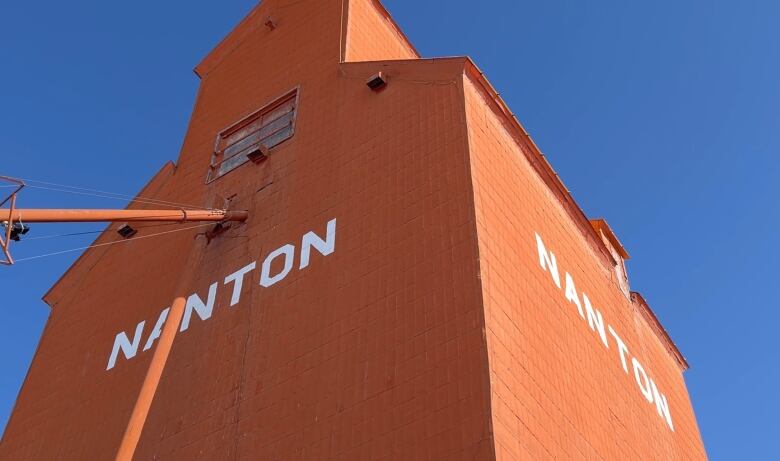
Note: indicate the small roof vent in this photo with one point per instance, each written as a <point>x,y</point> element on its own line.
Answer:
<point>126,231</point>
<point>377,82</point>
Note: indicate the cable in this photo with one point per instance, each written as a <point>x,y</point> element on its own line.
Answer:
<point>112,243</point>
<point>103,193</point>
<point>122,198</point>
<point>97,191</point>
<point>41,237</point>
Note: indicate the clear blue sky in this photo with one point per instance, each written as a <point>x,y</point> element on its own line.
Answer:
<point>661,116</point>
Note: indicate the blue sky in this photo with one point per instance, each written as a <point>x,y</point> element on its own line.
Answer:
<point>660,116</point>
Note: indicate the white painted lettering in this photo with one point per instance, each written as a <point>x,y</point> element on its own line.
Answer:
<point>548,260</point>
<point>595,320</point>
<point>572,296</point>
<point>647,386</point>
<point>237,278</point>
<point>662,405</point>
<point>205,310</point>
<point>642,380</point>
<point>325,247</point>
<point>289,254</point>
<point>621,347</point>
<point>157,329</point>
<point>122,342</point>
<point>194,303</point>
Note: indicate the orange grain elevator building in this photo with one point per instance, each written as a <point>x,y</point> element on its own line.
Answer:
<point>414,282</point>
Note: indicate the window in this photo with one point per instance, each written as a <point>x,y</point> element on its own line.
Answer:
<point>267,127</point>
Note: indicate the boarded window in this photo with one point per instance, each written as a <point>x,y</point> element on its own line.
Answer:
<point>267,127</point>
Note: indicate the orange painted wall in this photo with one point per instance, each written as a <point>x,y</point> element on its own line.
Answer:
<point>556,390</point>
<point>419,337</point>
<point>372,352</point>
<point>372,35</point>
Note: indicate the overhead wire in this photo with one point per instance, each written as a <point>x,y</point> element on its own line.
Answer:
<point>55,187</point>
<point>41,237</point>
<point>33,183</point>
<point>65,186</point>
<point>110,195</point>
<point>113,243</point>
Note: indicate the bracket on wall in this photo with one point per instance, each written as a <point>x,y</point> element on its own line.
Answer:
<point>12,229</point>
<point>216,231</point>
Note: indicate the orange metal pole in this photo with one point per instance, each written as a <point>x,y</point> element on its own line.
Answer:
<point>45,215</point>
<point>149,388</point>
